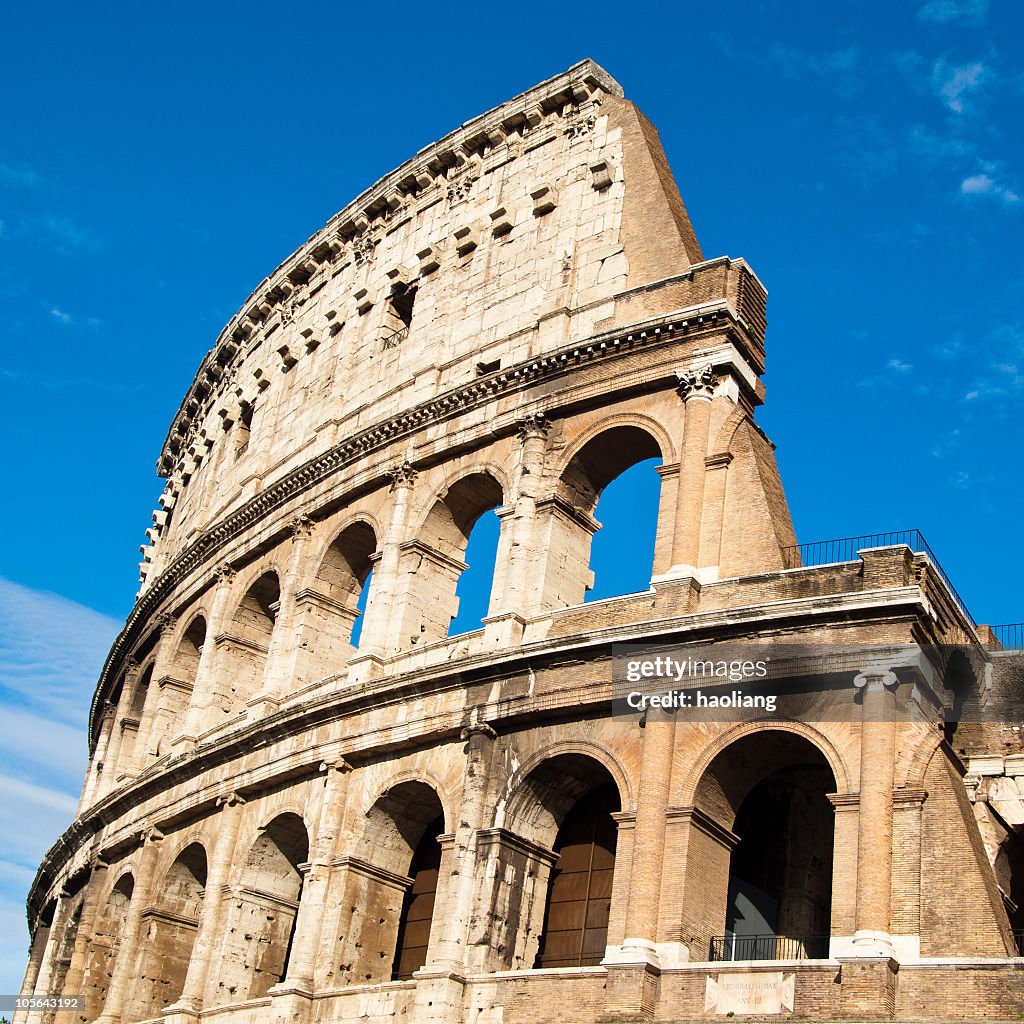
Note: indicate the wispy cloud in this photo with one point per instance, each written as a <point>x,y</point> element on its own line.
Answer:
<point>59,314</point>
<point>51,651</point>
<point>939,147</point>
<point>899,366</point>
<point>942,12</point>
<point>986,186</point>
<point>20,176</point>
<point>954,84</point>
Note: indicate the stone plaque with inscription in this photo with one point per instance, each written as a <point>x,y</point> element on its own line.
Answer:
<point>760,992</point>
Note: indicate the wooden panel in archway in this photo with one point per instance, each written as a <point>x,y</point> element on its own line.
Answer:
<point>418,908</point>
<point>579,898</point>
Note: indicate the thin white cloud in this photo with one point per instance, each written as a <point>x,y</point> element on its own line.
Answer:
<point>938,147</point>
<point>899,366</point>
<point>954,84</point>
<point>12,176</point>
<point>59,314</point>
<point>51,652</point>
<point>942,12</point>
<point>985,185</point>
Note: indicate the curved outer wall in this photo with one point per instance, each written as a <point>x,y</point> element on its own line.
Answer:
<point>507,321</point>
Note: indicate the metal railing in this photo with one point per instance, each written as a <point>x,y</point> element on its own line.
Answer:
<point>768,947</point>
<point>1018,935</point>
<point>1010,635</point>
<point>844,549</point>
<point>395,338</point>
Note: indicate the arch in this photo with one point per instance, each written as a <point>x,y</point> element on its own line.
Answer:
<point>392,882</point>
<point>603,455</point>
<point>509,805</point>
<point>262,919</point>
<point>761,848</point>
<point>432,562</point>
<point>828,750</point>
<point>727,431</point>
<point>246,642</point>
<point>329,611</point>
<point>642,422</point>
<point>105,943</point>
<point>168,933</point>
<point>564,804</point>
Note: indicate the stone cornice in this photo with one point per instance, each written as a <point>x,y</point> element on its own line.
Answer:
<point>659,330</point>
<point>548,99</point>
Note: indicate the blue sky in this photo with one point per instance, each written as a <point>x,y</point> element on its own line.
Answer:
<point>157,162</point>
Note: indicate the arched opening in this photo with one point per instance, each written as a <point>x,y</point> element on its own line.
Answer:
<point>105,944</point>
<point>615,470</point>
<point>262,923</point>
<point>763,876</point>
<point>580,894</point>
<point>177,686</point>
<point>552,894</point>
<point>65,949</point>
<point>133,757</point>
<point>168,934</point>
<point>435,561</point>
<point>247,642</point>
<point>473,591</point>
<point>330,612</point>
<point>391,886</point>
<point>418,906</point>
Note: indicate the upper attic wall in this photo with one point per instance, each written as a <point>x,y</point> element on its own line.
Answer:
<point>517,234</point>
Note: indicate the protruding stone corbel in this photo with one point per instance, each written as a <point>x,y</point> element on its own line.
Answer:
<point>232,799</point>
<point>477,729</point>
<point>339,764</point>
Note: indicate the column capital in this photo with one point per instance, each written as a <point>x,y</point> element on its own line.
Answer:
<point>478,729</point>
<point>875,677</point>
<point>301,526</point>
<point>402,475</point>
<point>535,425</point>
<point>232,799</point>
<point>699,382</point>
<point>224,574</point>
<point>166,622</point>
<point>339,765</point>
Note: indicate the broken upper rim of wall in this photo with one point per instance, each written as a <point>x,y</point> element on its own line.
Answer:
<point>577,85</point>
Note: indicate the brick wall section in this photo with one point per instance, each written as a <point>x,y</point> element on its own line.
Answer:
<point>962,914</point>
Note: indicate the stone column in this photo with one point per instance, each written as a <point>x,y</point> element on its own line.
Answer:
<point>634,969</point>
<point>116,745</point>
<point>313,902</point>
<point>99,761</point>
<point>145,747</point>
<point>42,951</point>
<point>448,950</point>
<point>379,638</point>
<point>83,939</point>
<point>874,826</point>
<point>520,598</point>
<point>696,388</point>
<point>127,955</point>
<point>190,1002</point>
<point>278,671</point>
<point>868,976</point>
<point>196,721</point>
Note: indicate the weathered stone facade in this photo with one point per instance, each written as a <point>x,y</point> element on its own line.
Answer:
<point>281,825</point>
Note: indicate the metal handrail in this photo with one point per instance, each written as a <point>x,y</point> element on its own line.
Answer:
<point>844,549</point>
<point>1010,635</point>
<point>768,947</point>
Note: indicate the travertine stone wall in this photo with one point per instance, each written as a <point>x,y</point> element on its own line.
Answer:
<point>506,323</point>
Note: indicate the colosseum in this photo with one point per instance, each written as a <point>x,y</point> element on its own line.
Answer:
<point>307,801</point>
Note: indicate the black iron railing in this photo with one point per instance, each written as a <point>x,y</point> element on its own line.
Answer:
<point>1010,635</point>
<point>768,947</point>
<point>844,549</point>
<point>395,338</point>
